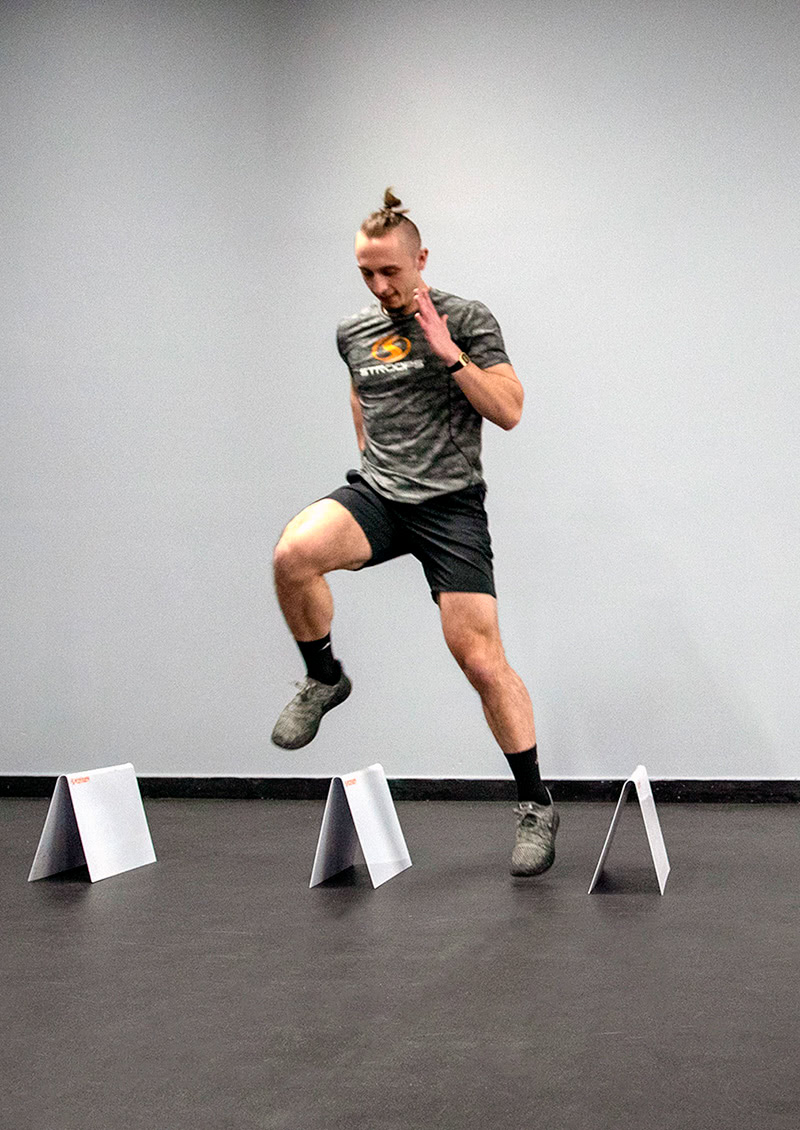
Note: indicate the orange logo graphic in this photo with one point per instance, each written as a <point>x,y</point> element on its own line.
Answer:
<point>78,780</point>
<point>352,781</point>
<point>391,348</point>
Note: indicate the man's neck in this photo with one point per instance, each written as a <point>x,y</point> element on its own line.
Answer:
<point>404,313</point>
<point>396,315</point>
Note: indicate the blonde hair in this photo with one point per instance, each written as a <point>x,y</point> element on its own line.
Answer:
<point>390,217</point>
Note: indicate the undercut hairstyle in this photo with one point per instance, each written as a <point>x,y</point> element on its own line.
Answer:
<point>389,218</point>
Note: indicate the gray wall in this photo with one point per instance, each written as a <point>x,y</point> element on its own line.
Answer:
<point>181,185</point>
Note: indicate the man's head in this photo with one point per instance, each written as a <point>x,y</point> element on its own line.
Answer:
<point>390,256</point>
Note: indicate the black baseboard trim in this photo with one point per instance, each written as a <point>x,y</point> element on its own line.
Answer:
<point>424,788</point>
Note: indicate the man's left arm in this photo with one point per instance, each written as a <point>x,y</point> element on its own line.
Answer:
<point>495,392</point>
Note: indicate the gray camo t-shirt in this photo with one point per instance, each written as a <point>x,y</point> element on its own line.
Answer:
<point>423,437</point>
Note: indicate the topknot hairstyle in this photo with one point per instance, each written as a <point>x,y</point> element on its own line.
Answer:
<point>389,217</point>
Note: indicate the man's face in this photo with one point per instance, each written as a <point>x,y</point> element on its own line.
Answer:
<point>391,270</point>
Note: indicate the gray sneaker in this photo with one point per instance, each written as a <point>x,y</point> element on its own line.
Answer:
<point>535,845</point>
<point>299,720</point>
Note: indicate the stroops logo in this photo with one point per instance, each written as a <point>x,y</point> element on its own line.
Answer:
<point>391,348</point>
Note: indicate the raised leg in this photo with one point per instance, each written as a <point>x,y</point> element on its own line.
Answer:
<point>323,537</point>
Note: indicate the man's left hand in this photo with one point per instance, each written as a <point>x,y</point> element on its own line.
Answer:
<point>435,327</point>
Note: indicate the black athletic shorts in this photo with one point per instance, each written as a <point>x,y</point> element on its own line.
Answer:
<point>448,534</point>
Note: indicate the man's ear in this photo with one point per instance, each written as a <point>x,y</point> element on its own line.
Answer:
<point>422,258</point>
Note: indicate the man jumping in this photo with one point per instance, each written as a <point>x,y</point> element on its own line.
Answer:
<point>426,369</point>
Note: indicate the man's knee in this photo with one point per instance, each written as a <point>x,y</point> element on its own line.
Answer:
<point>293,557</point>
<point>484,664</point>
<point>323,537</point>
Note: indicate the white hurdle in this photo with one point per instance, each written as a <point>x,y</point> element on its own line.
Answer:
<point>360,810</point>
<point>655,839</point>
<point>95,817</point>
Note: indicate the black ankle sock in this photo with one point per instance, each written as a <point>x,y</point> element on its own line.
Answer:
<point>525,767</point>
<point>320,664</point>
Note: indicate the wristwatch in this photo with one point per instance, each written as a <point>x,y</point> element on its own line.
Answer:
<point>461,363</point>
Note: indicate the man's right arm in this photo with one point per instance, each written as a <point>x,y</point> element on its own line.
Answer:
<point>358,417</point>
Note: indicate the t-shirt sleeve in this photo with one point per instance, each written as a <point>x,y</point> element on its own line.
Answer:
<point>482,338</point>
<point>341,343</point>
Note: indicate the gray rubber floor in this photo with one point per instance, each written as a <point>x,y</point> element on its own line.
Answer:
<point>214,990</point>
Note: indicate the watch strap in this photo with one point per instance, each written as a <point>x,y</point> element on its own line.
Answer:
<point>461,363</point>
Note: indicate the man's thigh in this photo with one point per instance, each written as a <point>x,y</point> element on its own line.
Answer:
<point>475,611</point>
<point>328,536</point>
<point>468,618</point>
<point>376,516</point>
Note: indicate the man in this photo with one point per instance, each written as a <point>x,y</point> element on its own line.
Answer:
<point>426,369</point>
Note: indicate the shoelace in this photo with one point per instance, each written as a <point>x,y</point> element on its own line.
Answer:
<point>526,815</point>
<point>304,688</point>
